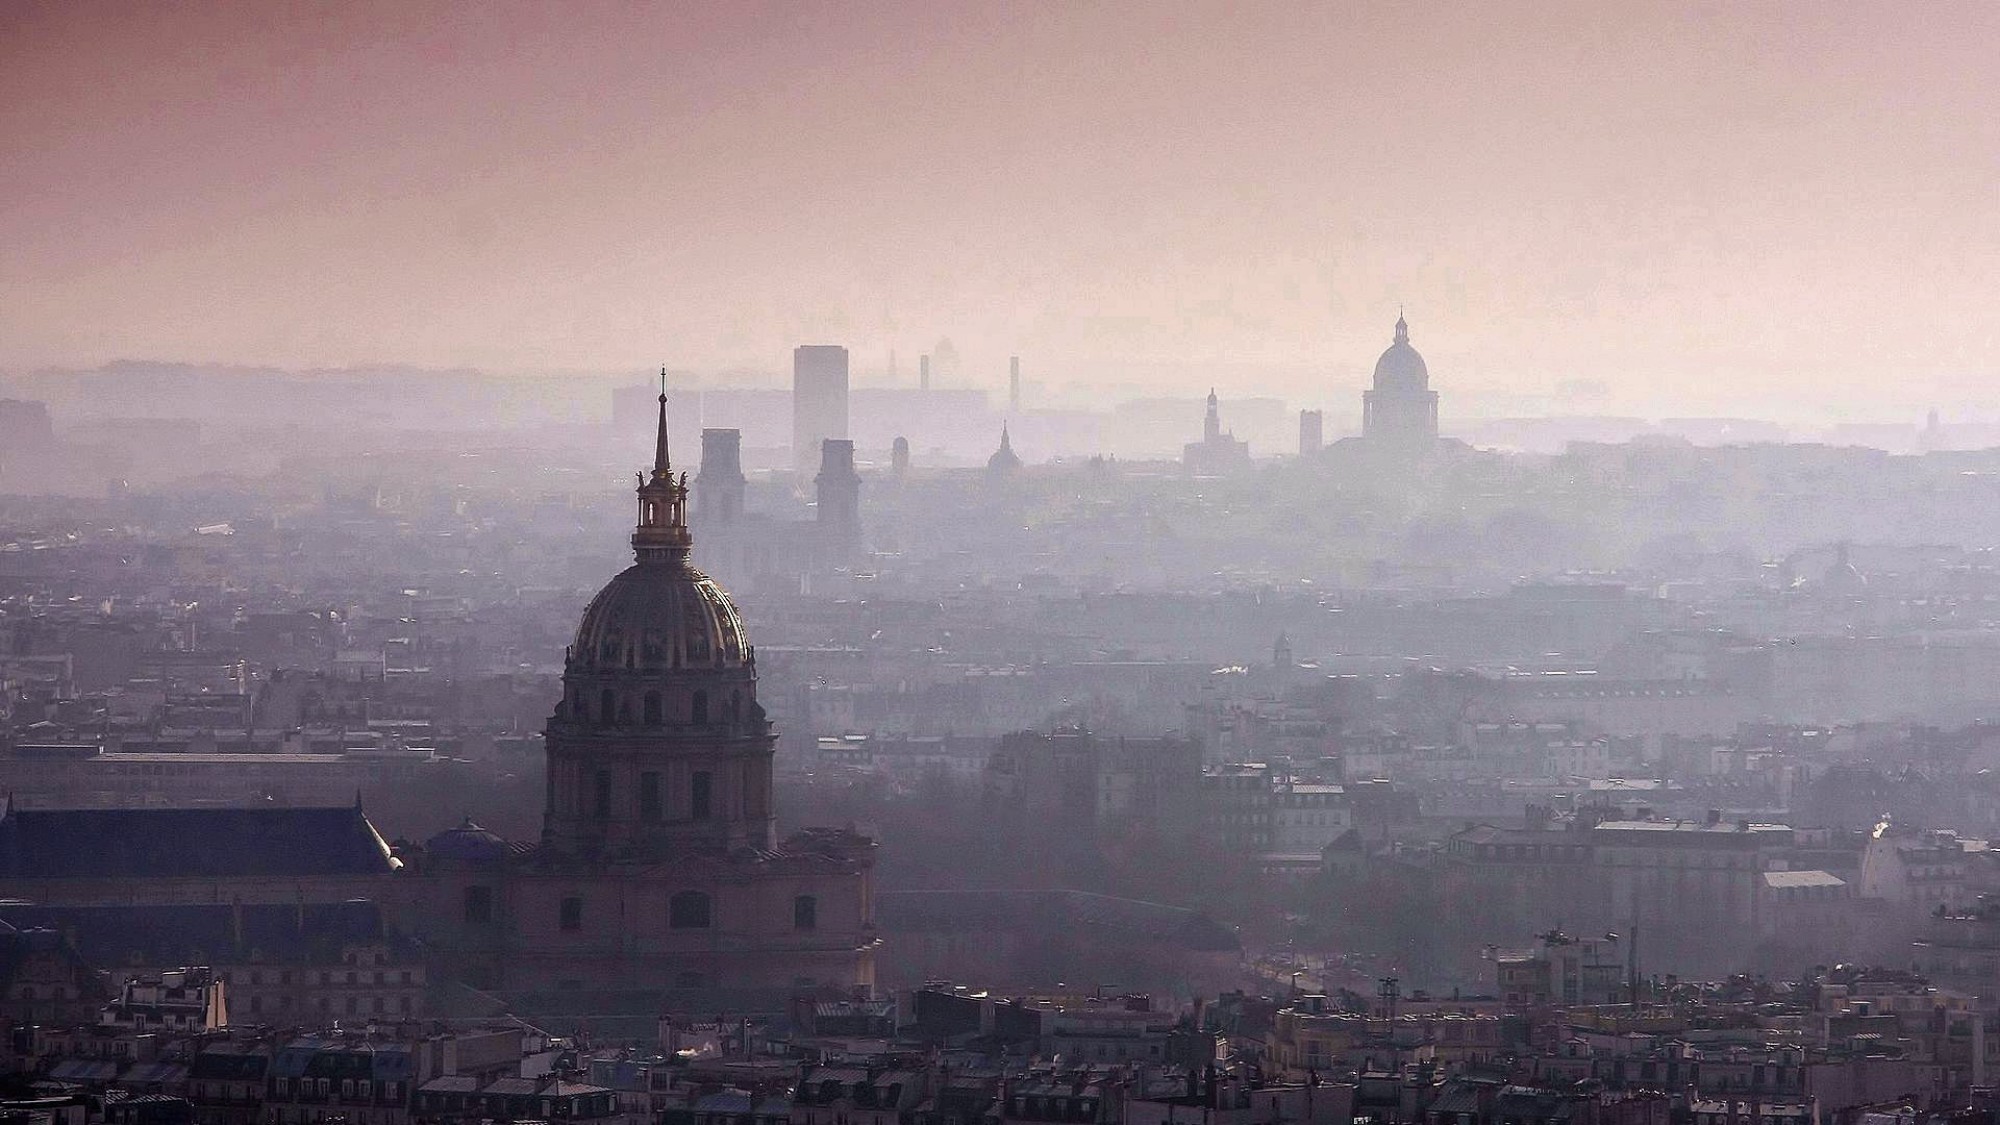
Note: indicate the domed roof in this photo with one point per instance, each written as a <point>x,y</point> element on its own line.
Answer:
<point>467,841</point>
<point>1400,367</point>
<point>660,615</point>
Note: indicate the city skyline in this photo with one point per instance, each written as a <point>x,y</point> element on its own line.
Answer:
<point>1799,222</point>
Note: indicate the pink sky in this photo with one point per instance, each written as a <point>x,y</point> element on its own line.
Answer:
<point>1703,207</point>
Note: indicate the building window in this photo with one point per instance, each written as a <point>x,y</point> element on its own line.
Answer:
<point>602,798</point>
<point>607,707</point>
<point>571,914</point>
<point>649,796</point>
<point>652,708</point>
<point>689,910</point>
<point>805,913</point>
<point>698,708</point>
<point>699,794</point>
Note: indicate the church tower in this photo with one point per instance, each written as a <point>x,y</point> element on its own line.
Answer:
<point>659,745</point>
<point>1004,461</point>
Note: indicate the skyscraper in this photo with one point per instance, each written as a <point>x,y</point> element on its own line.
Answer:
<point>838,491</point>
<point>718,487</point>
<point>819,400</point>
<point>1312,432</point>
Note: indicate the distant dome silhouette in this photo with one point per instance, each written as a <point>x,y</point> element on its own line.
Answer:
<point>1400,367</point>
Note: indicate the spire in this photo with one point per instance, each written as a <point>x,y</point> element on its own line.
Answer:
<point>1004,459</point>
<point>662,533</point>
<point>661,464</point>
<point>1402,327</point>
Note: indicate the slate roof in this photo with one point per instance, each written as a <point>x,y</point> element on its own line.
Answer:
<point>155,1074</point>
<point>190,843</point>
<point>229,1062</point>
<point>207,933</point>
<point>85,1070</point>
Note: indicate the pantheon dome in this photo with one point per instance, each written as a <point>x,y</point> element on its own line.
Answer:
<point>1401,409</point>
<point>1401,368</point>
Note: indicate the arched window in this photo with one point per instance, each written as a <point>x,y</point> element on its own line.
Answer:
<point>690,910</point>
<point>735,705</point>
<point>607,707</point>
<point>603,795</point>
<point>805,913</point>
<point>652,708</point>
<point>698,708</point>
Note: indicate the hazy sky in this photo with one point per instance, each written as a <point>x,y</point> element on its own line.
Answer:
<point>1702,207</point>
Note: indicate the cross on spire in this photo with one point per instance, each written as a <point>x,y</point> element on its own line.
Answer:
<point>662,467</point>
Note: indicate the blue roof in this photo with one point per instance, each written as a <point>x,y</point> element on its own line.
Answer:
<point>207,933</point>
<point>190,843</point>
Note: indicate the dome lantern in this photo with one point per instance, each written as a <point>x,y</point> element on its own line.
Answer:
<point>662,533</point>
